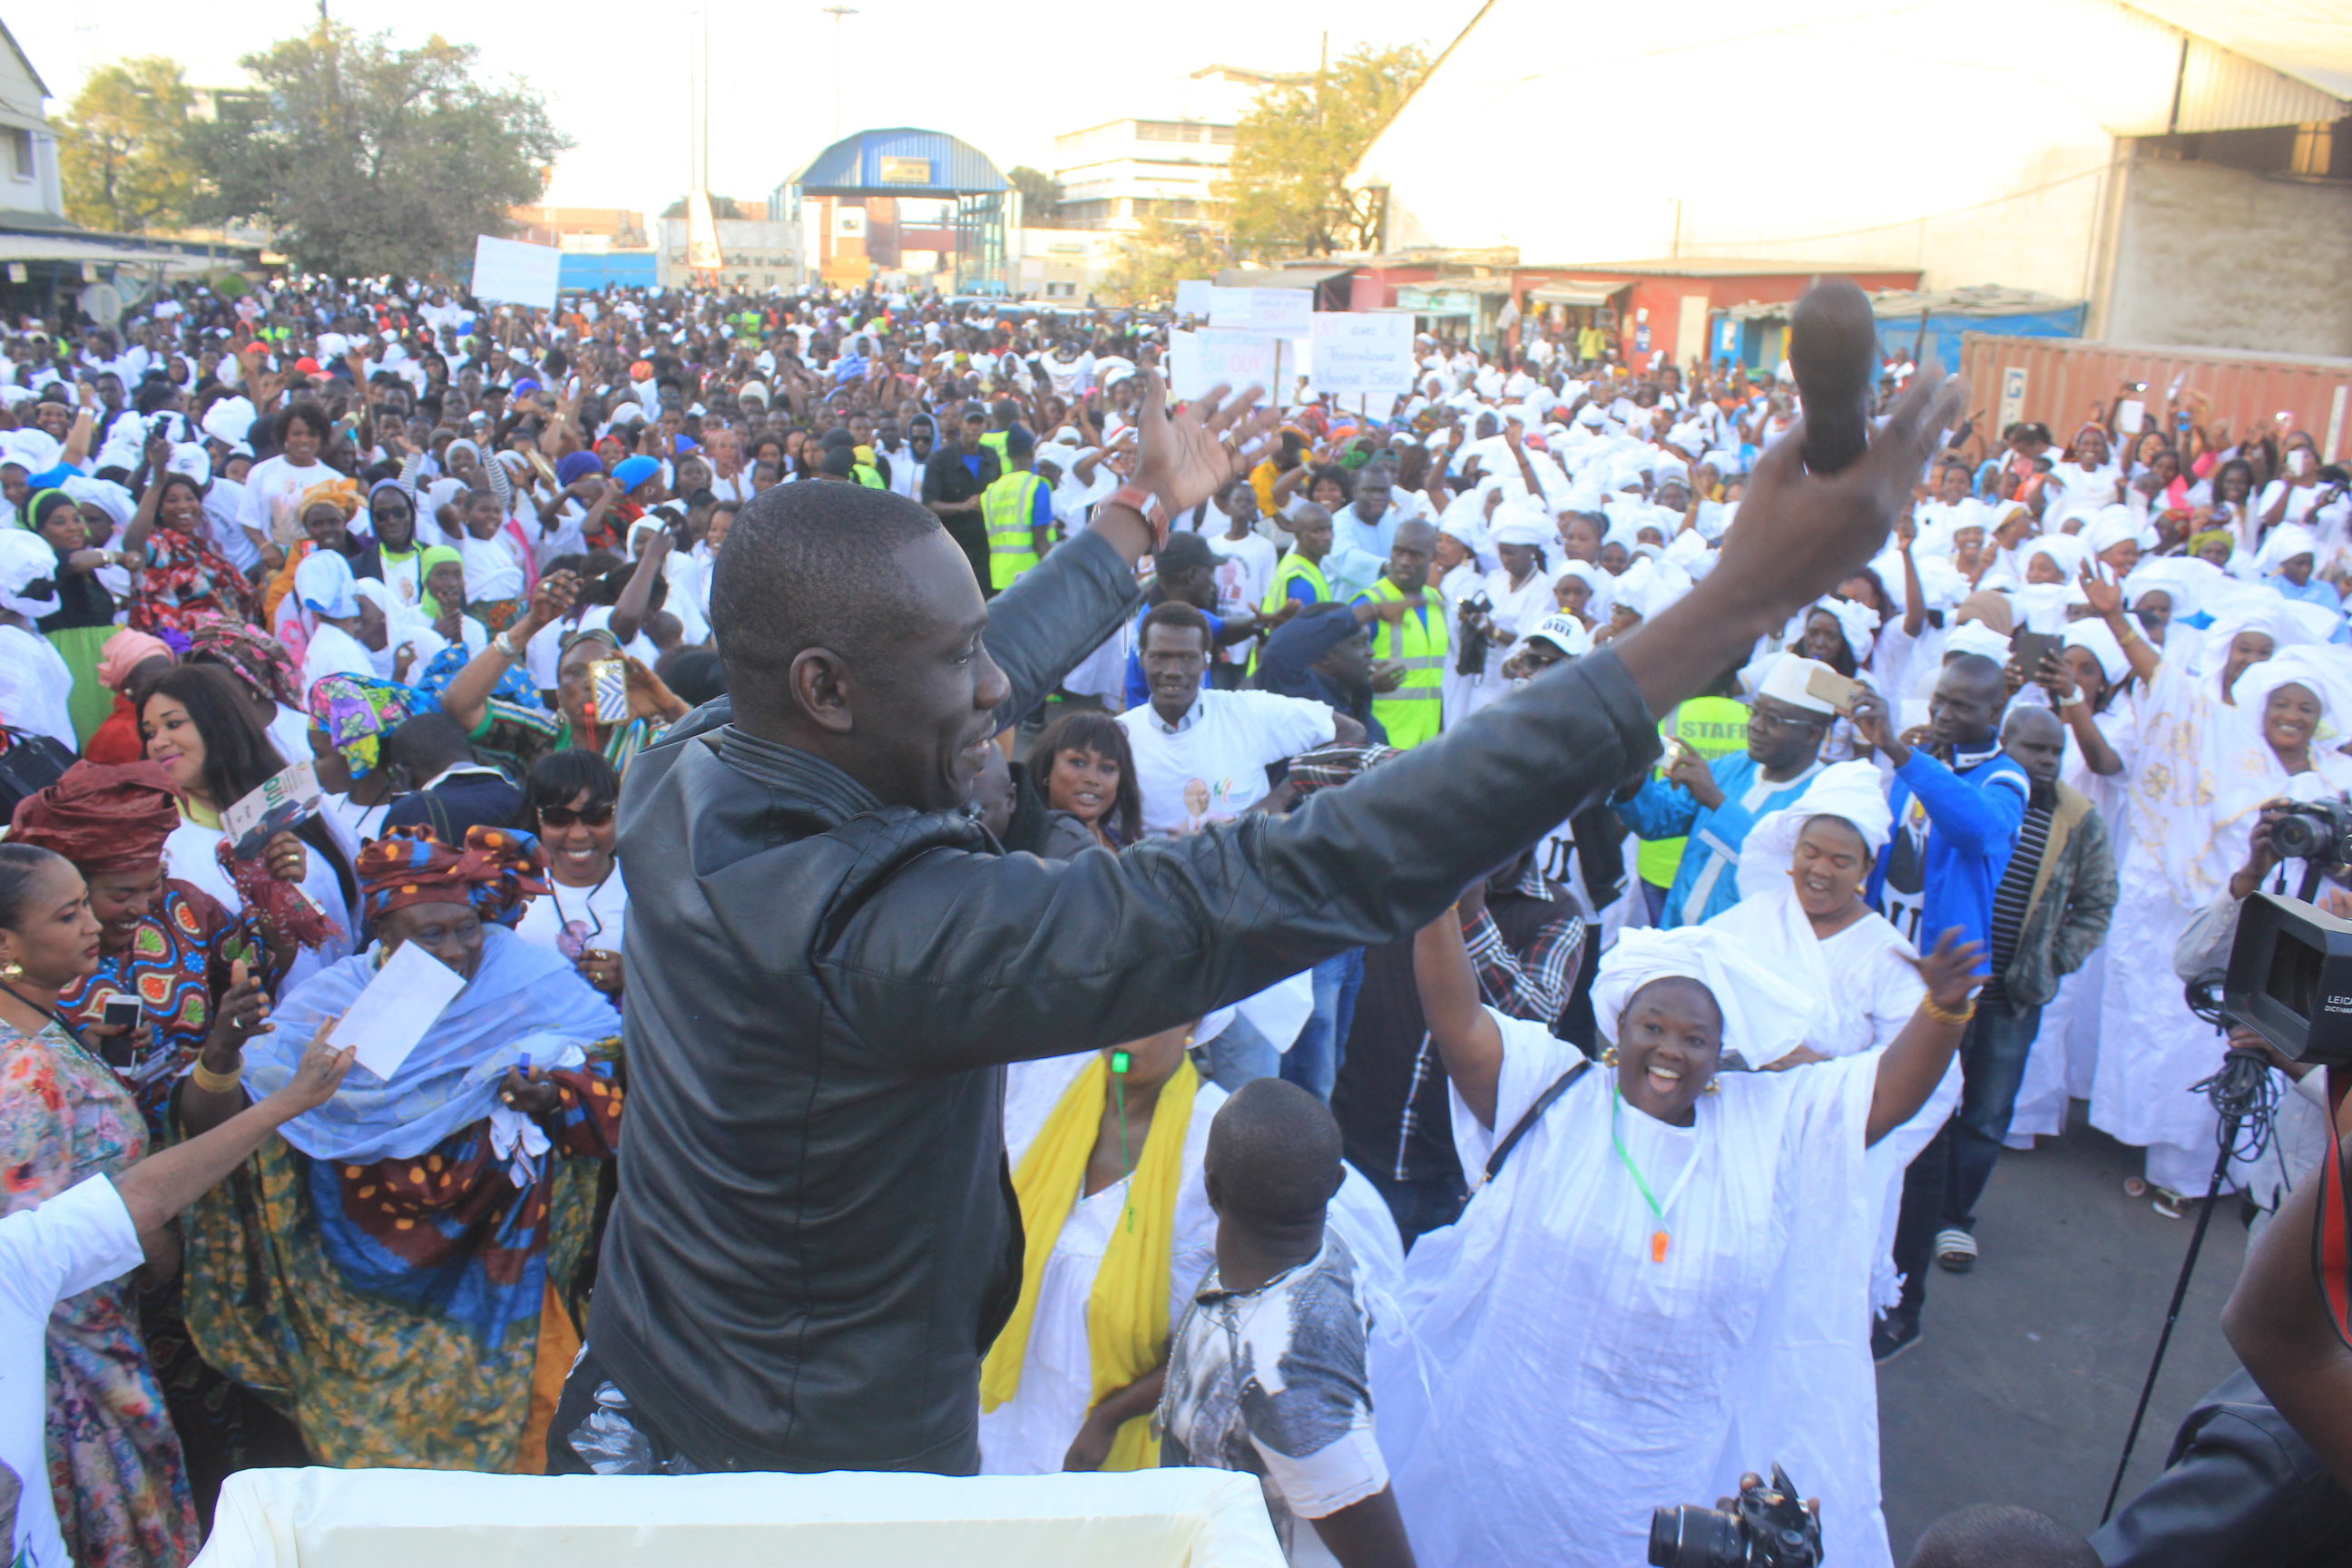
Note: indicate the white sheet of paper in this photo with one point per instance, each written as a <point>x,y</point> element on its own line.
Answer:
<point>1196,297</point>
<point>516,273</point>
<point>2130,414</point>
<point>392,1013</point>
<point>1358,351</point>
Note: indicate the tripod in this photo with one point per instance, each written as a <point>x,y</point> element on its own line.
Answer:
<point>2242,1095</point>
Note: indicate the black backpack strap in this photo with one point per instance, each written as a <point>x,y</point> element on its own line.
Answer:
<point>1526,1123</point>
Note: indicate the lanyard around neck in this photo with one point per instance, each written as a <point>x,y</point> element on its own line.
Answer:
<point>1658,1238</point>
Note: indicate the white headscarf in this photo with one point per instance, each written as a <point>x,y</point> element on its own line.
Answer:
<point>323,581</point>
<point>26,559</point>
<point>1858,621</point>
<point>2095,636</point>
<point>1765,1017</point>
<point>2286,542</point>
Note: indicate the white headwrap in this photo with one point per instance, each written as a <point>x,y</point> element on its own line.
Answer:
<point>230,420</point>
<point>2286,542</point>
<point>1523,523</point>
<point>2180,578</point>
<point>322,580</point>
<point>1764,1017</point>
<point>1858,621</point>
<point>1849,790</point>
<point>26,559</point>
<point>2095,636</point>
<point>2114,525</point>
<point>1978,639</point>
<point>35,451</point>
<point>110,498</point>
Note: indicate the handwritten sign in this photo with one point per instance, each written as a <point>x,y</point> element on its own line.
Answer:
<point>1199,361</point>
<point>1281,312</point>
<point>1361,352</point>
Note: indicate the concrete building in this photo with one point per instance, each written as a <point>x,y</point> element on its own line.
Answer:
<point>32,191</point>
<point>759,255</point>
<point>589,229</point>
<point>2183,166</point>
<point>1115,174</point>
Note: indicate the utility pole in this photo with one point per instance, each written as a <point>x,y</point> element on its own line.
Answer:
<point>838,13</point>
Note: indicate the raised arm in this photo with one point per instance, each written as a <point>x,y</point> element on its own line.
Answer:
<point>1913,1063</point>
<point>159,1186</point>
<point>2107,603</point>
<point>629,610</point>
<point>1465,1033</point>
<point>466,697</point>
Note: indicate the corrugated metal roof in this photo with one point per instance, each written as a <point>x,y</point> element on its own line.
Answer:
<point>1977,300</point>
<point>2310,40</point>
<point>884,164</point>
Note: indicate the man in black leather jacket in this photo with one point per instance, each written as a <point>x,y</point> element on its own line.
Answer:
<point>815,1237</point>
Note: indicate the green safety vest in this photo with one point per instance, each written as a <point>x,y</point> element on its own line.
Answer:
<point>994,441</point>
<point>867,475</point>
<point>1410,713</point>
<point>1009,508</point>
<point>1294,566</point>
<point>1712,727</point>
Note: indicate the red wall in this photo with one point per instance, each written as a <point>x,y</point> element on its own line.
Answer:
<point>1662,295</point>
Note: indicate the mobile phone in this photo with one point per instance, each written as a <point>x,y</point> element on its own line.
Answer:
<point>121,1013</point>
<point>1833,688</point>
<point>2298,462</point>
<point>608,680</point>
<point>2027,648</point>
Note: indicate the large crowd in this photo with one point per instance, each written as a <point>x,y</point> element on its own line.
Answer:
<point>1916,871</point>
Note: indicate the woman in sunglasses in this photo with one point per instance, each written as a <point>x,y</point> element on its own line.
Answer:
<point>568,802</point>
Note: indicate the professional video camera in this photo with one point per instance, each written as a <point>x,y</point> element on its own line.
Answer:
<point>1471,640</point>
<point>2319,833</point>
<point>2290,974</point>
<point>1767,1527</point>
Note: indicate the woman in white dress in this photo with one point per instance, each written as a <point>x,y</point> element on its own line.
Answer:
<point>2214,748</point>
<point>1802,914</point>
<point>1668,1281</point>
<point>1106,1151</point>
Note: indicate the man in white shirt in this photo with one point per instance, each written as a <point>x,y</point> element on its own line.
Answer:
<point>1200,755</point>
<point>1245,562</point>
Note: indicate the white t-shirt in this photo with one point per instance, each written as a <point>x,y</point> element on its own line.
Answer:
<point>1244,567</point>
<point>596,916</point>
<point>333,651</point>
<point>82,1237</point>
<point>273,486</point>
<point>1212,765</point>
<point>34,684</point>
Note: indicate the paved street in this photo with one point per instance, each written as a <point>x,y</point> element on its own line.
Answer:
<point>2022,1386</point>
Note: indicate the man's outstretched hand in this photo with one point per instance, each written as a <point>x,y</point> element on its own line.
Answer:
<point>1187,457</point>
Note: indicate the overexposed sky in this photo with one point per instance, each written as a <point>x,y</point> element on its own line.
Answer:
<point>617,79</point>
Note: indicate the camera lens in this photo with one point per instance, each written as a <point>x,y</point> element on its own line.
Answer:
<point>1690,1537</point>
<point>2297,836</point>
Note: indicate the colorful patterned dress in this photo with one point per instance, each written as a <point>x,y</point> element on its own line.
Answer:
<point>419,1310</point>
<point>185,584</point>
<point>176,964</point>
<point>115,1471</point>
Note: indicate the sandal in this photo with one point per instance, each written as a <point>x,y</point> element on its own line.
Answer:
<point>1955,1251</point>
<point>2170,1204</point>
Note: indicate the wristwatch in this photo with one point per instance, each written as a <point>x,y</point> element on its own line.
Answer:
<point>1148,505</point>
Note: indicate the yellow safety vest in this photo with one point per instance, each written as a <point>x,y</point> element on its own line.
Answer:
<point>1296,565</point>
<point>1009,508</point>
<point>1410,713</point>
<point>1713,727</point>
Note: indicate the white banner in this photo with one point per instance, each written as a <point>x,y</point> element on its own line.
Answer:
<point>514,273</point>
<point>1359,352</point>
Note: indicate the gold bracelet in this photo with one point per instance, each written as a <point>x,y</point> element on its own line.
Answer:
<point>1968,1011</point>
<point>216,1082</point>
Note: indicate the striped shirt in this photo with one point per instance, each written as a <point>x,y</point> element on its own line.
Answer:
<point>2011,899</point>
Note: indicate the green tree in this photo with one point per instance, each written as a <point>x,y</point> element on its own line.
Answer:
<point>720,206</point>
<point>1041,195</point>
<point>364,158</point>
<point>123,147</point>
<point>1156,258</point>
<point>1287,189</point>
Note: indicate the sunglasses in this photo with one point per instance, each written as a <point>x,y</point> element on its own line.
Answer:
<point>565,817</point>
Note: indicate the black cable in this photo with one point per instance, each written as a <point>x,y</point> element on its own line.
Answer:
<point>2245,1098</point>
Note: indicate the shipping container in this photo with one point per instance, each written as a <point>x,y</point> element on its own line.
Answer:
<point>2057,381</point>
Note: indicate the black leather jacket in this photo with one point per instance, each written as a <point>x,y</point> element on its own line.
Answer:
<point>815,1239</point>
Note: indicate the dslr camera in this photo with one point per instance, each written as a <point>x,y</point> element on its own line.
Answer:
<point>1766,1527</point>
<point>1470,652</point>
<point>2319,833</point>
